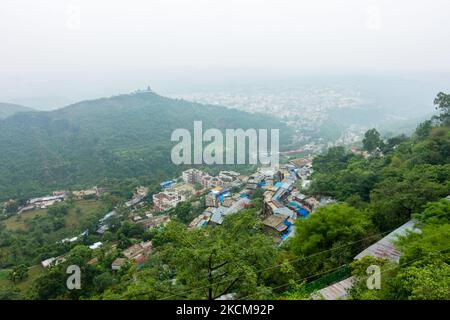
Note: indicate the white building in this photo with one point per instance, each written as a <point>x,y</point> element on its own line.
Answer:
<point>166,200</point>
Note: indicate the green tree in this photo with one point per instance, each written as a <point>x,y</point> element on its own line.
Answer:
<point>183,211</point>
<point>49,286</point>
<point>435,213</point>
<point>123,241</point>
<point>61,209</point>
<point>359,290</point>
<point>11,207</point>
<point>372,140</point>
<point>334,160</point>
<point>423,271</point>
<point>198,186</point>
<point>395,199</point>
<point>19,273</point>
<point>131,230</point>
<point>297,292</point>
<point>103,281</point>
<point>424,129</point>
<point>393,143</point>
<point>429,282</point>
<point>258,194</point>
<point>10,293</point>
<point>442,103</point>
<point>52,284</point>
<point>329,238</point>
<point>208,262</point>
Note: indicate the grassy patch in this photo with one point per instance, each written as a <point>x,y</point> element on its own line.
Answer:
<point>33,273</point>
<point>4,275</point>
<point>87,207</point>
<point>17,222</point>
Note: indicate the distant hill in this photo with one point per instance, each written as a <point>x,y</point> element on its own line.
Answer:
<point>8,109</point>
<point>118,137</point>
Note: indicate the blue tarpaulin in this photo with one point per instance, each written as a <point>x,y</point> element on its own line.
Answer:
<point>304,212</point>
<point>288,232</point>
<point>167,184</point>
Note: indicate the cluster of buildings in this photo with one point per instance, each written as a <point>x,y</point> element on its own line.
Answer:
<point>358,152</point>
<point>167,199</point>
<point>174,193</point>
<point>216,213</point>
<point>220,201</point>
<point>87,193</point>
<point>137,253</point>
<point>307,109</point>
<point>43,202</point>
<point>53,261</point>
<point>103,222</point>
<point>59,196</point>
<point>76,238</point>
<point>151,221</point>
<point>138,196</point>
<point>194,176</point>
<point>278,186</point>
<point>283,201</point>
<point>148,221</point>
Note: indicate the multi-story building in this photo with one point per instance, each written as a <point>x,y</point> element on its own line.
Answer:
<point>193,176</point>
<point>166,200</point>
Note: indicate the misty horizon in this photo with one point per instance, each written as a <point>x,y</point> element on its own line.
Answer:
<point>54,94</point>
<point>55,53</point>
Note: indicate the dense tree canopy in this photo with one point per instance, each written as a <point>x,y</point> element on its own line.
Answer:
<point>372,140</point>
<point>205,263</point>
<point>392,186</point>
<point>118,137</point>
<point>330,238</point>
<point>376,193</point>
<point>442,103</point>
<point>423,271</point>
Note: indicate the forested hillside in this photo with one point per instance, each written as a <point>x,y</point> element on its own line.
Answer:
<point>8,109</point>
<point>393,183</point>
<point>402,178</point>
<point>119,137</point>
<point>396,180</point>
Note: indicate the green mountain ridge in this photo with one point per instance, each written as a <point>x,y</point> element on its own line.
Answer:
<point>117,137</point>
<point>8,109</point>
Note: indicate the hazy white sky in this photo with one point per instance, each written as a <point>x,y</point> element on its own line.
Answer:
<point>45,43</point>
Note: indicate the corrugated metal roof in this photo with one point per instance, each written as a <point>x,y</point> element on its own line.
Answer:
<point>217,216</point>
<point>337,291</point>
<point>274,220</point>
<point>285,211</point>
<point>382,249</point>
<point>385,247</point>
